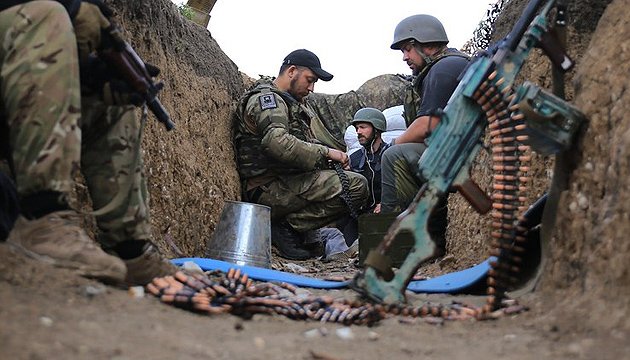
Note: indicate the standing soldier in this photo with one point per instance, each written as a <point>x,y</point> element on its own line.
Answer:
<point>58,124</point>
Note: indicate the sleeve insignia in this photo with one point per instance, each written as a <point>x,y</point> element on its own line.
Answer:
<point>267,101</point>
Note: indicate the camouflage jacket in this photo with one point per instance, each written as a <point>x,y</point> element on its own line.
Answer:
<point>413,93</point>
<point>273,136</point>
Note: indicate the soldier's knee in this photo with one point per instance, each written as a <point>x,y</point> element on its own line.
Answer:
<point>358,185</point>
<point>48,10</point>
<point>46,20</point>
<point>357,180</point>
<point>389,155</point>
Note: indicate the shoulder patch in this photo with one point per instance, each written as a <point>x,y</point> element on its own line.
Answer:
<point>267,101</point>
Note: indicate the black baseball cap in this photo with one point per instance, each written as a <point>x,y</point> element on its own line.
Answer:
<point>303,57</point>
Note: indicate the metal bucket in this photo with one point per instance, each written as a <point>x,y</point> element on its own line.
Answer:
<point>243,235</point>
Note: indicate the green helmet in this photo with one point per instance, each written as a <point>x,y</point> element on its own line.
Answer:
<point>372,116</point>
<point>421,28</point>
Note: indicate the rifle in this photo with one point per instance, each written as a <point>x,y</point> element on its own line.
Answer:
<point>484,98</point>
<point>122,58</point>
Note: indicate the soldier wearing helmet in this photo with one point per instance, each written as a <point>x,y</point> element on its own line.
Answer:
<point>370,124</point>
<point>436,68</point>
<point>423,42</point>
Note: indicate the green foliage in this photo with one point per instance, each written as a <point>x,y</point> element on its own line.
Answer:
<point>186,11</point>
<point>482,36</point>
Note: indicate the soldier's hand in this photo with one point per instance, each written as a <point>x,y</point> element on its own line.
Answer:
<point>97,78</point>
<point>340,157</point>
<point>117,92</point>
<point>377,208</point>
<point>92,18</point>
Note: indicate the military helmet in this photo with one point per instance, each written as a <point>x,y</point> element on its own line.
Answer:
<point>372,116</point>
<point>421,28</point>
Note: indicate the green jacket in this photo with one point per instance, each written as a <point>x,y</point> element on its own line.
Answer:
<point>273,135</point>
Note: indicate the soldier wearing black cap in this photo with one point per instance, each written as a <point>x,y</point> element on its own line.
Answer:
<point>280,162</point>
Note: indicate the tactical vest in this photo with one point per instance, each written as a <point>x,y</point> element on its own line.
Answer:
<point>413,92</point>
<point>250,158</point>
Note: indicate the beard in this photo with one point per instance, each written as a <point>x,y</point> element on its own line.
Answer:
<point>293,90</point>
<point>418,66</point>
<point>417,69</point>
<point>366,141</point>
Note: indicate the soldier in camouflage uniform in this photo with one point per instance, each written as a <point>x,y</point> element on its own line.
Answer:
<point>436,69</point>
<point>281,163</point>
<point>56,127</point>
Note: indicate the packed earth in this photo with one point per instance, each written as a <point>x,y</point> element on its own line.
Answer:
<point>577,309</point>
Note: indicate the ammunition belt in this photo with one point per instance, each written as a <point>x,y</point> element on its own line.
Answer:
<point>345,190</point>
<point>510,164</point>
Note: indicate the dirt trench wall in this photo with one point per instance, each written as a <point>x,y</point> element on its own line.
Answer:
<point>589,270</point>
<point>587,274</point>
<point>337,111</point>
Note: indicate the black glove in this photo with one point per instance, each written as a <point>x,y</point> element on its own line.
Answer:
<point>117,92</point>
<point>91,19</point>
<point>152,69</point>
<point>98,78</point>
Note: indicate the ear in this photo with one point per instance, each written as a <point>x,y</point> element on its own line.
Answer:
<point>292,70</point>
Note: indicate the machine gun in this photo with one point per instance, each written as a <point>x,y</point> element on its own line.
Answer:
<point>484,98</point>
<point>121,57</point>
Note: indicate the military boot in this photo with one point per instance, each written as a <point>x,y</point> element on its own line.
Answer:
<point>313,242</point>
<point>146,265</point>
<point>59,239</point>
<point>288,242</point>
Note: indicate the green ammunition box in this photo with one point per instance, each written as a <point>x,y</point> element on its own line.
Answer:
<point>372,230</point>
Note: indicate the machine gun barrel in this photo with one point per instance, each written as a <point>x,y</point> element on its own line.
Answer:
<point>515,35</point>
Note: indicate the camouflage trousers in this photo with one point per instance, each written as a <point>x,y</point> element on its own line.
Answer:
<point>400,184</point>
<point>53,131</point>
<point>312,200</point>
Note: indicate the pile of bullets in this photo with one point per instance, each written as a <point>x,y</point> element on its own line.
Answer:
<point>233,292</point>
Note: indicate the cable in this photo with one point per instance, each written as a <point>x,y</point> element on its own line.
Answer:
<point>367,159</point>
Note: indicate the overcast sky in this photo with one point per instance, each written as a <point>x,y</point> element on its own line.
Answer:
<point>350,37</point>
